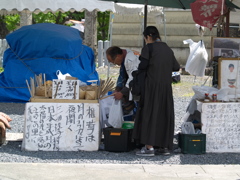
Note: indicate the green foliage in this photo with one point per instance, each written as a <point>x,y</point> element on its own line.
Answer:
<point>44,18</point>
<point>57,18</point>
<point>8,23</point>
<point>75,15</point>
<point>103,25</point>
<point>12,21</point>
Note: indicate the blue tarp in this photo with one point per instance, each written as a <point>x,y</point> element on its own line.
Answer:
<point>43,48</point>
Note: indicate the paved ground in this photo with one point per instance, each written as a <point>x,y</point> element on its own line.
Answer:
<point>74,171</point>
<point>36,171</point>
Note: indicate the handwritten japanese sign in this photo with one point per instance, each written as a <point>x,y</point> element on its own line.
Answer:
<point>207,12</point>
<point>61,127</point>
<point>65,89</point>
<point>221,124</point>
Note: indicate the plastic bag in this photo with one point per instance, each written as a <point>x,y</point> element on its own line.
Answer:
<point>187,128</point>
<point>62,76</point>
<point>222,94</point>
<point>115,118</point>
<point>197,59</point>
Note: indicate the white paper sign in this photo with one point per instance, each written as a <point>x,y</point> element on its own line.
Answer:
<point>65,89</point>
<point>61,127</point>
<point>221,124</point>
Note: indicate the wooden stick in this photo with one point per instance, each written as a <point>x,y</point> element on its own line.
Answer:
<point>107,96</point>
<point>32,86</point>
<point>29,88</point>
<point>39,80</point>
<point>99,88</point>
<point>109,85</point>
<point>36,78</point>
<point>45,85</point>
<point>104,85</point>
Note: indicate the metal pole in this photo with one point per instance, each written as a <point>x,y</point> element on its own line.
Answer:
<point>165,31</point>
<point>227,24</point>
<point>145,17</point>
<point>145,13</point>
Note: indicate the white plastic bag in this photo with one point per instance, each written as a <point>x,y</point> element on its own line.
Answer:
<point>188,128</point>
<point>115,118</point>
<point>62,76</point>
<point>105,105</point>
<point>197,59</point>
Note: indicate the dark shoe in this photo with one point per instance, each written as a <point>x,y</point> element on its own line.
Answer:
<point>162,151</point>
<point>145,152</point>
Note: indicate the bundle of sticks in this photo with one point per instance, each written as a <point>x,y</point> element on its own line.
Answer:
<point>104,87</point>
<point>38,81</point>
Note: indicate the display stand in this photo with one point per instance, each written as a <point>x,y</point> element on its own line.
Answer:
<point>221,124</point>
<point>51,126</point>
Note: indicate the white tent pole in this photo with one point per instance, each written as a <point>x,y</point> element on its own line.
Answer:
<point>164,21</point>
<point>106,45</point>
<point>100,53</point>
<point>110,28</point>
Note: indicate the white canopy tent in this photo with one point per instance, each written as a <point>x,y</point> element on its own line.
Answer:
<point>157,12</point>
<point>16,6</point>
<point>26,7</point>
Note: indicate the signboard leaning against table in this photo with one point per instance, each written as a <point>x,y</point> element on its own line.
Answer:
<point>61,127</point>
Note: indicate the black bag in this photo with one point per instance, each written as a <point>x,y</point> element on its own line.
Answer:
<point>138,82</point>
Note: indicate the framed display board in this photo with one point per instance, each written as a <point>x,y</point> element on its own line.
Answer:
<point>225,47</point>
<point>229,75</point>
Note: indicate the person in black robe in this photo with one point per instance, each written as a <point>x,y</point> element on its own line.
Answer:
<point>154,123</point>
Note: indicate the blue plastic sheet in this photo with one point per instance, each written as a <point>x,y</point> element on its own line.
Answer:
<point>43,48</point>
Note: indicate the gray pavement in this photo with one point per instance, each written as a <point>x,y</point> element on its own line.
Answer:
<point>50,171</point>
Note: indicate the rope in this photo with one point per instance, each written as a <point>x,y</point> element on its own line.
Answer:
<point>22,60</point>
<point>13,87</point>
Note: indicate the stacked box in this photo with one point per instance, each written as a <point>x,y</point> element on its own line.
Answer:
<point>118,139</point>
<point>192,143</point>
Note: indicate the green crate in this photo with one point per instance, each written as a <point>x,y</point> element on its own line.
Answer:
<point>192,143</point>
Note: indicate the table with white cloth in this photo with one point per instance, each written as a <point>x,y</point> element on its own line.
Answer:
<point>221,124</point>
<point>51,126</point>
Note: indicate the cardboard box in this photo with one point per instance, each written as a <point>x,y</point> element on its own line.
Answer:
<point>118,139</point>
<point>45,99</point>
<point>192,143</point>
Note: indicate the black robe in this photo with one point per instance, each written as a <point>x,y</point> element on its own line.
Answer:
<point>154,122</point>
